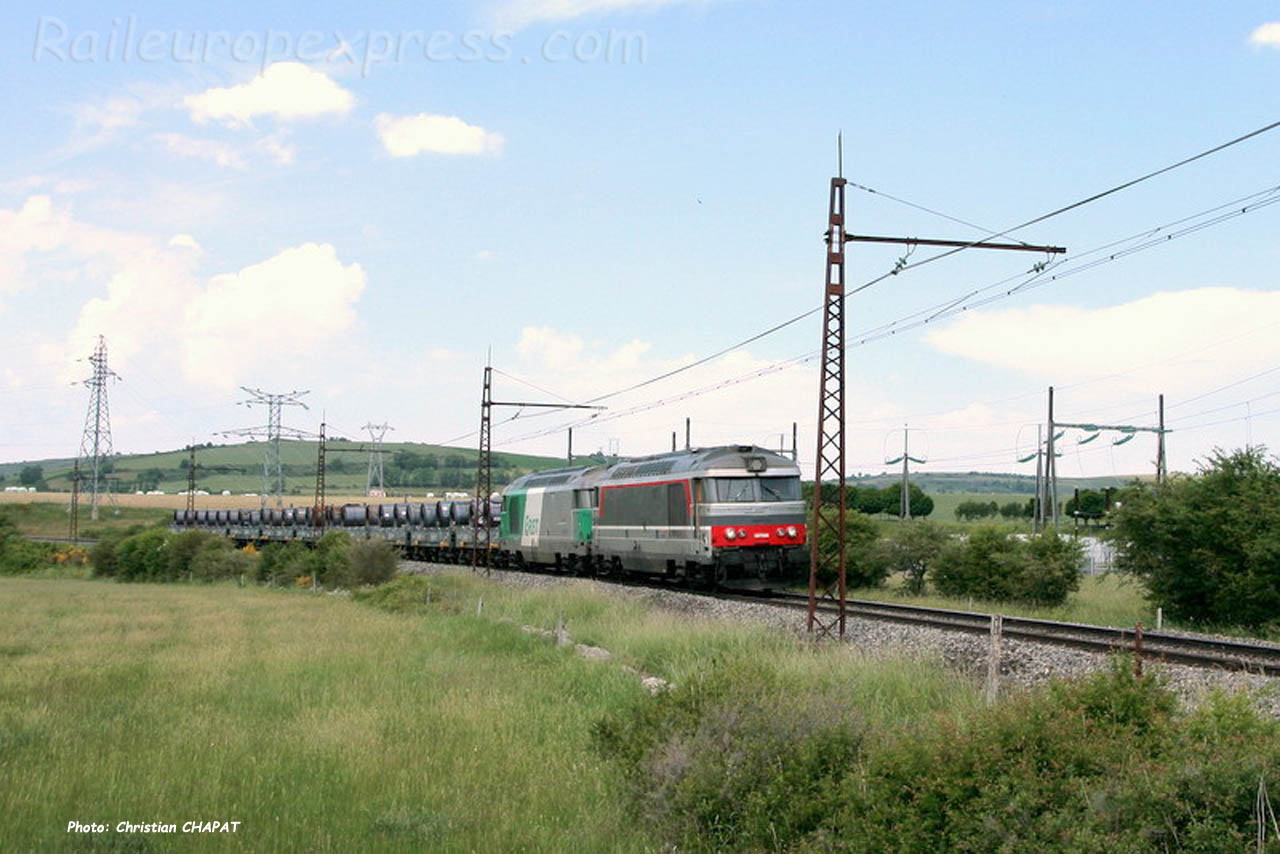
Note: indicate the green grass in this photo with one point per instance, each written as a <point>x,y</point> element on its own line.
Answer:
<point>1107,599</point>
<point>325,724</point>
<point>51,520</point>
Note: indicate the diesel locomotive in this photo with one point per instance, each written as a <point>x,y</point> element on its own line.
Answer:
<point>722,515</point>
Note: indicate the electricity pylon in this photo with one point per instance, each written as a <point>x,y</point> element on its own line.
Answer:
<point>95,443</point>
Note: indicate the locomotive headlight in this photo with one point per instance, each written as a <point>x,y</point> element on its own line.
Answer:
<point>742,532</point>
<point>781,532</point>
<point>791,531</point>
<point>730,534</point>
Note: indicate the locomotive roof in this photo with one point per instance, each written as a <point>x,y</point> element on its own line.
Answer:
<point>694,459</point>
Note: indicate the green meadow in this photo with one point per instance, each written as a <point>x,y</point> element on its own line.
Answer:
<point>405,722</point>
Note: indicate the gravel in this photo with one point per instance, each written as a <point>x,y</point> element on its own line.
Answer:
<point>1023,664</point>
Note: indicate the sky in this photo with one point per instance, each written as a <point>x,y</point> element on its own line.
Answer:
<point>368,201</point>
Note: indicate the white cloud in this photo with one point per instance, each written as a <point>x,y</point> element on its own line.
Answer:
<point>184,240</point>
<point>202,149</point>
<point>405,136</point>
<point>39,228</point>
<point>1149,343</point>
<point>293,304</point>
<point>286,91</point>
<point>109,115</point>
<point>517,14</point>
<point>1267,35</point>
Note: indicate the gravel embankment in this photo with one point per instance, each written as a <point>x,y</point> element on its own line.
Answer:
<point>1022,663</point>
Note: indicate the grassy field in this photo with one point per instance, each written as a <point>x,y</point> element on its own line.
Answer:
<point>1108,599</point>
<point>323,724</point>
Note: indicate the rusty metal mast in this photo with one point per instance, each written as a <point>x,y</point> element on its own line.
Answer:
<point>484,463</point>
<point>827,559</point>
<point>826,539</point>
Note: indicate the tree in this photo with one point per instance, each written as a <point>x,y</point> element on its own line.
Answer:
<point>911,550</point>
<point>31,475</point>
<point>1207,547</point>
<point>863,564</point>
<point>1092,505</point>
<point>1011,510</point>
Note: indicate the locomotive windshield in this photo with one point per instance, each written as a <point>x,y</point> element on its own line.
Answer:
<point>753,489</point>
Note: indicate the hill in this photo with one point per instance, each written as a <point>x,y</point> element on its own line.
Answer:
<point>991,482</point>
<point>238,468</point>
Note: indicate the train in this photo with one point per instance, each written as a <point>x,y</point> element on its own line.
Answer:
<point>730,515</point>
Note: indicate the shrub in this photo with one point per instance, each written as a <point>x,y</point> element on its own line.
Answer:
<point>184,547</point>
<point>373,562</point>
<point>278,563</point>
<point>733,760</point>
<point>18,556</point>
<point>1049,569</point>
<point>979,566</point>
<point>1208,547</point>
<point>144,556</point>
<point>219,561</point>
<point>1043,570</point>
<point>911,549</point>
<point>364,562</point>
<point>863,568</point>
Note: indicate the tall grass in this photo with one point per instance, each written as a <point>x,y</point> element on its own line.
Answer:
<point>324,724</point>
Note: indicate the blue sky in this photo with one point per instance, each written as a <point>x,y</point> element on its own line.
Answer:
<point>603,190</point>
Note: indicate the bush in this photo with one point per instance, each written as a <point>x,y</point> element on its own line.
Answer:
<point>863,564</point>
<point>1208,547</point>
<point>19,556</point>
<point>280,563</point>
<point>219,561</point>
<point>144,557</point>
<point>1043,570</point>
<point>733,760</point>
<point>364,562</point>
<point>103,556</point>
<point>911,549</point>
<point>184,547</point>
<point>979,566</point>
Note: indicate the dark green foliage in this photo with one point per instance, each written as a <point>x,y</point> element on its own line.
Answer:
<point>280,563</point>
<point>1017,509</point>
<point>143,557</point>
<point>366,562</point>
<point>734,761</point>
<point>1208,547</point>
<point>911,549</point>
<point>18,555</point>
<point>891,500</point>
<point>979,566</point>
<point>1092,505</point>
<point>863,564</point>
<point>31,475</point>
<point>1042,570</point>
<point>872,500</point>
<point>970,510</point>
<point>219,560</point>
<point>184,547</point>
<point>1049,569</point>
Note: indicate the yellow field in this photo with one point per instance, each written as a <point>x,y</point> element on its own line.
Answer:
<point>179,502</point>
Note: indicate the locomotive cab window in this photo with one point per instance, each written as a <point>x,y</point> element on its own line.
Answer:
<point>753,489</point>
<point>734,489</point>
<point>779,489</point>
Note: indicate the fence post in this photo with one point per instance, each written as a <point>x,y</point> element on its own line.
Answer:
<point>993,659</point>
<point>1137,650</point>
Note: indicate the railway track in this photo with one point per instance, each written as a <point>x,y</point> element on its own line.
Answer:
<point>63,541</point>
<point>1192,650</point>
